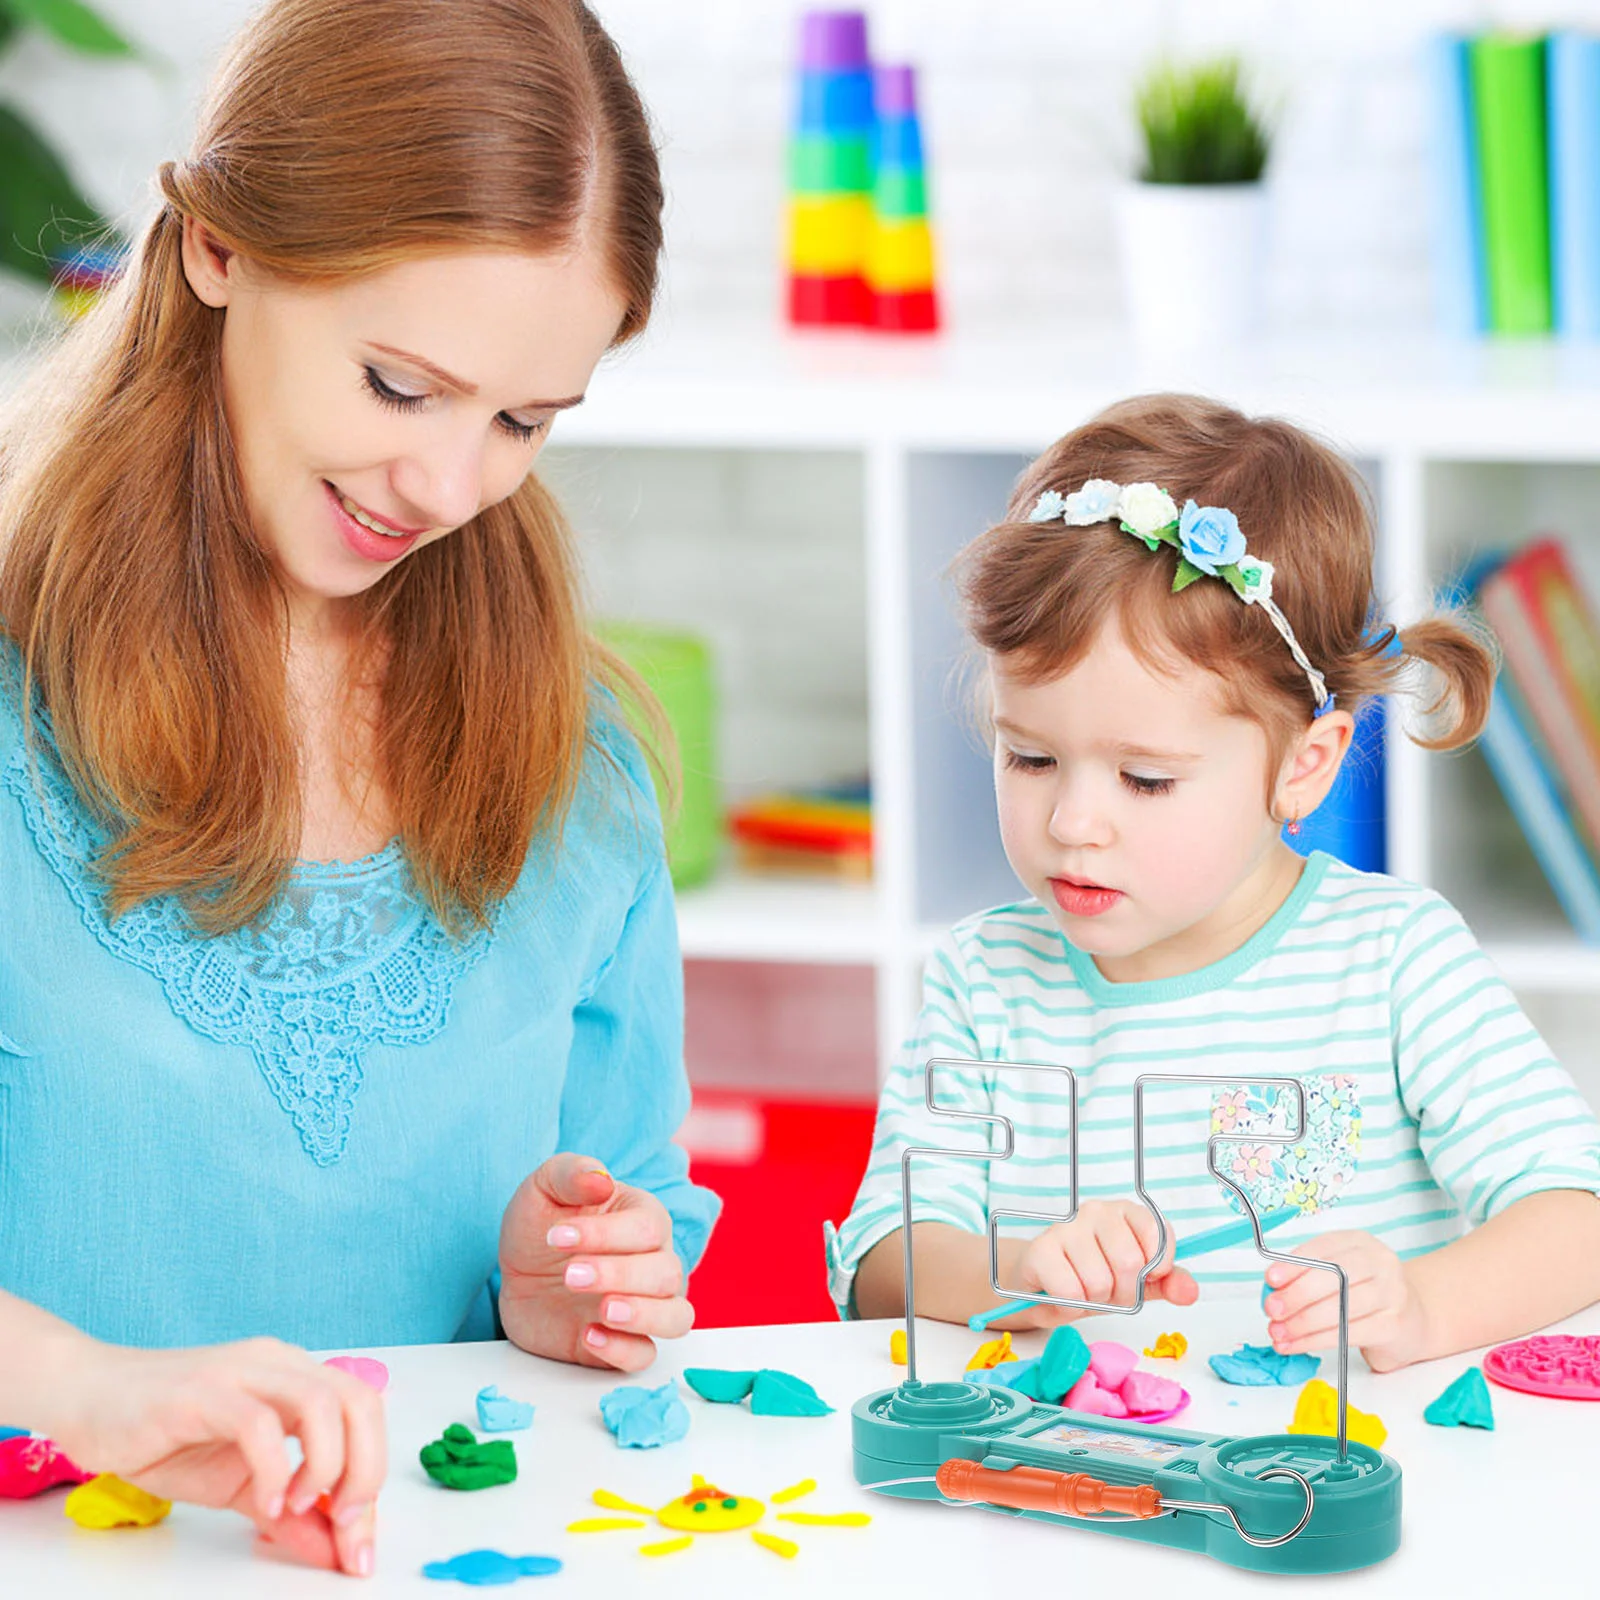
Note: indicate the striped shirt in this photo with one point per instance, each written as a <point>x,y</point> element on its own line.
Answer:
<point>1430,1102</point>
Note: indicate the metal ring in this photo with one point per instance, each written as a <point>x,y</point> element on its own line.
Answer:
<point>1227,1511</point>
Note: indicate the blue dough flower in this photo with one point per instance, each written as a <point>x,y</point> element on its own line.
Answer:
<point>484,1567</point>
<point>1209,536</point>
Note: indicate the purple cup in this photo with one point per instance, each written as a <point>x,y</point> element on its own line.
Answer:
<point>894,91</point>
<point>833,41</point>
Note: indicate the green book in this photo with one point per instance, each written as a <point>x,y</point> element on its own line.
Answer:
<point>1508,94</point>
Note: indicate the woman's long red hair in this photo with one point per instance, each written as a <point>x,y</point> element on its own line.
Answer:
<point>339,137</point>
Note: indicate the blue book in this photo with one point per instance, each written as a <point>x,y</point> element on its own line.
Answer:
<point>1512,751</point>
<point>1460,273</point>
<point>1572,98</point>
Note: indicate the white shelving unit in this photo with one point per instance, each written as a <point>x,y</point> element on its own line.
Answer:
<point>1463,446</point>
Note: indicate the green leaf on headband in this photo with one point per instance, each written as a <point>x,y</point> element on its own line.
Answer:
<point>1185,575</point>
<point>1234,579</point>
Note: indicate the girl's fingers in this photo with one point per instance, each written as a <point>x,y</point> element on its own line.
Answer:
<point>1126,1255</point>
<point>1369,1328</point>
<point>657,1275</point>
<point>657,1319</point>
<point>607,1347</point>
<point>1316,1286</point>
<point>1178,1287</point>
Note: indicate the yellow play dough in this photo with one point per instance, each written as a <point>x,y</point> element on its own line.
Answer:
<point>706,1509</point>
<point>108,1502</point>
<point>1317,1411</point>
<point>1168,1347</point>
<point>992,1354</point>
<point>897,1347</point>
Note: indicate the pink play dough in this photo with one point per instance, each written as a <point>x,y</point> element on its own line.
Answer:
<point>369,1370</point>
<point>1111,1362</point>
<point>30,1466</point>
<point>1144,1392</point>
<point>1087,1395</point>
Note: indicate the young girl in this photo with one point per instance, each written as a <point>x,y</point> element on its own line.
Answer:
<point>1176,618</point>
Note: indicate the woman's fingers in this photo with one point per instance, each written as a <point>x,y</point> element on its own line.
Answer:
<point>658,1274</point>
<point>629,1230</point>
<point>607,1347</point>
<point>657,1319</point>
<point>355,1540</point>
<point>319,1421</point>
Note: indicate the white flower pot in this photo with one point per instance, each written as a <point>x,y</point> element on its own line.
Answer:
<point>1192,261</point>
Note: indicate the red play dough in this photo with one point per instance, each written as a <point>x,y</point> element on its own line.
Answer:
<point>1561,1364</point>
<point>30,1466</point>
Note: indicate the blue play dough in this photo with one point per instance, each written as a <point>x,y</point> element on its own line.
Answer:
<point>642,1419</point>
<point>1259,1366</point>
<point>499,1414</point>
<point>1049,1376</point>
<point>486,1567</point>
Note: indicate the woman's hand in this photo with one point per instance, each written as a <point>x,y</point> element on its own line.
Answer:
<point>587,1270</point>
<point>1099,1256</point>
<point>209,1426</point>
<point>1387,1321</point>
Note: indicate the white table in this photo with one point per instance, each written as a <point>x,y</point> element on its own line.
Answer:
<point>1509,1513</point>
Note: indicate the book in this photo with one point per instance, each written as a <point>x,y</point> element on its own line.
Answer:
<point>1572,81</point>
<point>1510,747</point>
<point>1461,296</point>
<point>1508,99</point>
<point>1526,600</point>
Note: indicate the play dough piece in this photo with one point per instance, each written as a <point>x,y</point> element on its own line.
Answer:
<point>1465,1404</point>
<point>1111,1362</point>
<point>1168,1347</point>
<point>719,1385</point>
<point>781,1394</point>
<point>485,1567</point>
<point>1146,1392</point>
<point>897,1347</point>
<point>667,1547</point>
<point>786,1548</point>
<point>1066,1358</point>
<point>1260,1366</point>
<point>991,1355</point>
<point>29,1466</point>
<point>1317,1411</point>
<point>645,1419</point>
<point>108,1502</point>
<point>459,1461</point>
<point>499,1414</point>
<point>826,1519</point>
<point>1564,1365</point>
<point>1087,1395</point>
<point>368,1369</point>
<point>603,1524</point>
<point>795,1491</point>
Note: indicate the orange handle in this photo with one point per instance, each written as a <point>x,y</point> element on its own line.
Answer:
<point>1067,1494</point>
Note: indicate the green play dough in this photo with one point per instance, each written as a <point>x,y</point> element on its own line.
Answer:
<point>1065,1360</point>
<point>1465,1404</point>
<point>781,1394</point>
<point>719,1384</point>
<point>458,1461</point>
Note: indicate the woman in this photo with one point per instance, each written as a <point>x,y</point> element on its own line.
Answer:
<point>335,900</point>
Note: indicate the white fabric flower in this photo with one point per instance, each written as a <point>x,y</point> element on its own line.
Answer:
<point>1096,501</point>
<point>1047,507</point>
<point>1257,576</point>
<point>1145,508</point>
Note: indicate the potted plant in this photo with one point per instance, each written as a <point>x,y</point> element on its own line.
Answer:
<point>1192,223</point>
<point>44,216</point>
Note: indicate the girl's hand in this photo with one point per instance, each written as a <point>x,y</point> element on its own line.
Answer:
<point>209,1426</point>
<point>1099,1256</point>
<point>1387,1320</point>
<point>587,1270</point>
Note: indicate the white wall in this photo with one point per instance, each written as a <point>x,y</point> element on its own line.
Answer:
<point>1026,121</point>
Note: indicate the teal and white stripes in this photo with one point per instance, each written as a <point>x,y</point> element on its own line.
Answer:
<point>1434,1104</point>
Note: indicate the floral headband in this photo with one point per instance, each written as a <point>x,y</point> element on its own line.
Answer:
<point>1207,540</point>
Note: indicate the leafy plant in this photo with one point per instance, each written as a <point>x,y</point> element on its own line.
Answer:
<point>43,213</point>
<point>1199,127</point>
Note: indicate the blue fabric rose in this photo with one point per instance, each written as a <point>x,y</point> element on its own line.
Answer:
<point>1210,537</point>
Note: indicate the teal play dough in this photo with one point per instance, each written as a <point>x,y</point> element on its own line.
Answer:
<point>781,1394</point>
<point>719,1384</point>
<point>1066,1358</point>
<point>1465,1404</point>
<point>1260,1366</point>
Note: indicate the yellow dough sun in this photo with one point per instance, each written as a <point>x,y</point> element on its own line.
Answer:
<point>708,1509</point>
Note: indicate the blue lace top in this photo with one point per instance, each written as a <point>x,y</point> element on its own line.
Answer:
<point>311,1128</point>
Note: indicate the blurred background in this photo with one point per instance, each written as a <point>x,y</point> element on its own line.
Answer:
<point>885,290</point>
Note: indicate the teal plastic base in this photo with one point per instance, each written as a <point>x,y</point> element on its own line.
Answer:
<point>1355,1520</point>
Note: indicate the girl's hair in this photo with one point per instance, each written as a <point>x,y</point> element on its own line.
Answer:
<point>1040,593</point>
<point>339,137</point>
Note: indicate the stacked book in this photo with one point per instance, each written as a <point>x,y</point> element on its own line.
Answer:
<point>1543,737</point>
<point>1516,155</point>
<point>827,833</point>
